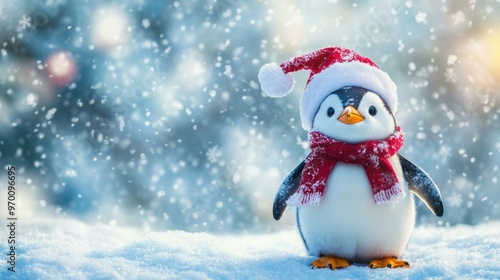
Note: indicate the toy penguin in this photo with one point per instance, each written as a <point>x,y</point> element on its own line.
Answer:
<point>352,191</point>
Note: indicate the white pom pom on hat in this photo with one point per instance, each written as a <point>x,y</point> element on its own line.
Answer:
<point>274,82</point>
<point>331,69</point>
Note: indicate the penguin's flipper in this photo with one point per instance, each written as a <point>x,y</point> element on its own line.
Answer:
<point>421,184</point>
<point>287,189</point>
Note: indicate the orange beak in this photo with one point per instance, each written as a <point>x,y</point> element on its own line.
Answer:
<point>350,115</point>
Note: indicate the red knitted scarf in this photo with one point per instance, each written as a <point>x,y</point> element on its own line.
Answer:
<point>372,155</point>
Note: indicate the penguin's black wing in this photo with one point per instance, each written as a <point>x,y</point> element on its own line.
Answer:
<point>287,189</point>
<point>421,184</point>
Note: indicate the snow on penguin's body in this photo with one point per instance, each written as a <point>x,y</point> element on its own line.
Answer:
<point>353,190</point>
<point>348,223</point>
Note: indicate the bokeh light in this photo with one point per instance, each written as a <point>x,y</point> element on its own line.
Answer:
<point>61,68</point>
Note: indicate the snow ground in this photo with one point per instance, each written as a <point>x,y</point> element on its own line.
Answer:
<point>69,249</point>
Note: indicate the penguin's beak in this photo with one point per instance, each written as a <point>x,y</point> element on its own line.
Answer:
<point>350,115</point>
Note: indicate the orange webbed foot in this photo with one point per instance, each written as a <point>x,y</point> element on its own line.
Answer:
<point>388,262</point>
<point>330,262</point>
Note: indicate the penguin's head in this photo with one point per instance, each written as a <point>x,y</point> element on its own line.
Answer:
<point>353,115</point>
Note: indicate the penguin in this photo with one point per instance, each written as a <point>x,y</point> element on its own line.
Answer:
<point>347,226</point>
<point>353,192</point>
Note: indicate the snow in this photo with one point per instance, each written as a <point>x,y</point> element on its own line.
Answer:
<point>451,59</point>
<point>420,17</point>
<point>61,248</point>
<point>50,113</point>
<point>25,22</point>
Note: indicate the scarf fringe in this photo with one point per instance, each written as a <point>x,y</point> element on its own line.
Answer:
<point>300,199</point>
<point>392,194</point>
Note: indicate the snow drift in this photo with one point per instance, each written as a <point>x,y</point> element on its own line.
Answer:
<point>67,249</point>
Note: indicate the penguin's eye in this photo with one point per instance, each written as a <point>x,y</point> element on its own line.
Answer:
<point>372,110</point>
<point>330,112</point>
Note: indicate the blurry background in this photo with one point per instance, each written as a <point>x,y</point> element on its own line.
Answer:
<point>149,113</point>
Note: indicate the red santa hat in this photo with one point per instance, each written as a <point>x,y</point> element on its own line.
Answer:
<point>332,68</point>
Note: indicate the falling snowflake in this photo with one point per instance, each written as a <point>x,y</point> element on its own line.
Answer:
<point>472,4</point>
<point>50,113</point>
<point>160,193</point>
<point>213,154</point>
<point>450,75</point>
<point>25,22</point>
<point>236,178</point>
<point>451,59</point>
<point>1,13</point>
<point>222,8</point>
<point>455,200</point>
<point>146,23</point>
<point>445,152</point>
<point>458,18</point>
<point>420,17</point>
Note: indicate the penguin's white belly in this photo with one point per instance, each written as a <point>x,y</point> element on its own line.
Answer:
<point>349,224</point>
